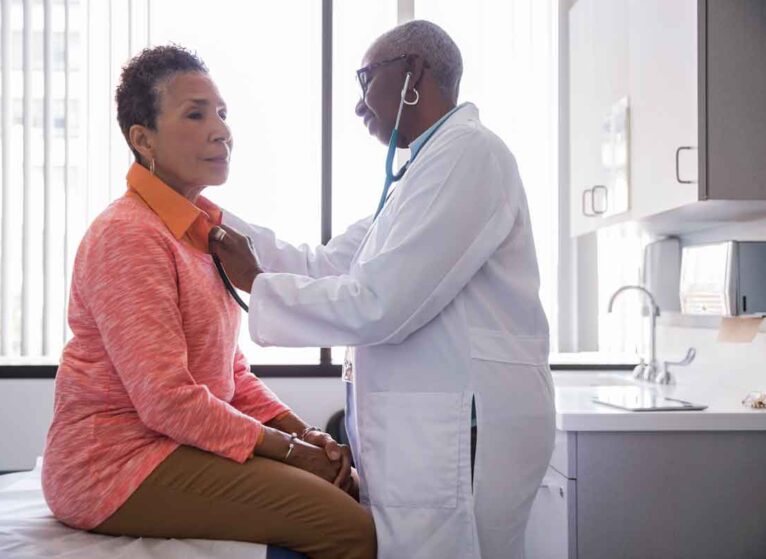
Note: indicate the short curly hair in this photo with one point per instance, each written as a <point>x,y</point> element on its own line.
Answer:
<point>138,94</point>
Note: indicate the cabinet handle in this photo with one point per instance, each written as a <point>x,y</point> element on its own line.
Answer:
<point>606,199</point>
<point>585,193</point>
<point>557,488</point>
<point>678,164</point>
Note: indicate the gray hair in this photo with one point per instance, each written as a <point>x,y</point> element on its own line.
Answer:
<point>430,41</point>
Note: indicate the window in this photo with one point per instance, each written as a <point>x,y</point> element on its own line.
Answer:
<point>621,333</point>
<point>271,78</point>
<point>41,131</point>
<point>510,72</point>
<point>358,178</point>
<point>271,74</point>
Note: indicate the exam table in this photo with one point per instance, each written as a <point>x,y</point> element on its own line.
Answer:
<point>28,530</point>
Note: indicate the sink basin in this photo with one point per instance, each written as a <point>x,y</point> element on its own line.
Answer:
<point>592,379</point>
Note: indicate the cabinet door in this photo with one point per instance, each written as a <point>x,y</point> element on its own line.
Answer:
<point>663,100</point>
<point>736,100</point>
<point>552,520</point>
<point>598,78</point>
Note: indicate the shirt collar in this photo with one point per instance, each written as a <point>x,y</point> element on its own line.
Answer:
<point>179,214</point>
<point>419,142</point>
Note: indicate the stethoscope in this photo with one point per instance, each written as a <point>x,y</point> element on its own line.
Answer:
<point>391,178</point>
<point>227,283</point>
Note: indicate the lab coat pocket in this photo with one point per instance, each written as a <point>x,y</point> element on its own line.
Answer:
<point>411,448</point>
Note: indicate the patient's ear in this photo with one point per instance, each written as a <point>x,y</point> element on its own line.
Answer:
<point>142,140</point>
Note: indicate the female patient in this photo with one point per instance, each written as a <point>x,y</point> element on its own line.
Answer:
<point>159,428</point>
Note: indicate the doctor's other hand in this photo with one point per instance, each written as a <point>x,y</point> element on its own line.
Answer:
<point>336,452</point>
<point>236,254</point>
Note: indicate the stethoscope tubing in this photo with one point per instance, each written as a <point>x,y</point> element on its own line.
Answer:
<point>390,176</point>
<point>228,284</point>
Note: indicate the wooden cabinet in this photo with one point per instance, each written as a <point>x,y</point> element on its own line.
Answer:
<point>692,71</point>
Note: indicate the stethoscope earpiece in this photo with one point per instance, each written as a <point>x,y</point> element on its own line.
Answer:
<point>404,101</point>
<point>407,78</point>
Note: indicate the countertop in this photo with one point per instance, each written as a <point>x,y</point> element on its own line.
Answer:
<point>576,411</point>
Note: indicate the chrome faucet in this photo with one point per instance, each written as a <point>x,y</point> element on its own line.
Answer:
<point>665,377</point>
<point>644,371</point>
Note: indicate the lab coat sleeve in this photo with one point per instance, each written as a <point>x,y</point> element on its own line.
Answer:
<point>133,298</point>
<point>453,215</point>
<point>251,395</point>
<point>275,255</point>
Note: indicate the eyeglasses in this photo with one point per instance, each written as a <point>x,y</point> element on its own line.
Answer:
<point>363,74</point>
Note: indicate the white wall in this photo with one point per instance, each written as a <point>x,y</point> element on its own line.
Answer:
<point>26,409</point>
<point>726,364</point>
<point>314,399</point>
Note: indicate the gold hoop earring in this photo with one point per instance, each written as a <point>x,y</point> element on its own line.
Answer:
<point>151,166</point>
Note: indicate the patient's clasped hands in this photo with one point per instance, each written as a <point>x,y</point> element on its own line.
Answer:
<point>317,453</point>
<point>339,455</point>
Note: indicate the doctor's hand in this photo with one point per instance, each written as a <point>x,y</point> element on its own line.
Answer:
<point>338,453</point>
<point>236,254</point>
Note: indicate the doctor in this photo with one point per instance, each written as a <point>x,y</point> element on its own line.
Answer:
<point>437,299</point>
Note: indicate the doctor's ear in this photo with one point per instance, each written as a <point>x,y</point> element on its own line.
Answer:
<point>416,65</point>
<point>141,139</point>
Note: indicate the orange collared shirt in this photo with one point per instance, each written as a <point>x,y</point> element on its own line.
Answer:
<point>189,222</point>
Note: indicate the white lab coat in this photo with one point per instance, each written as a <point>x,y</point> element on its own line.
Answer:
<point>438,301</point>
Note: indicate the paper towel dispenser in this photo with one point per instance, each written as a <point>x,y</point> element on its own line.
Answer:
<point>724,279</point>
